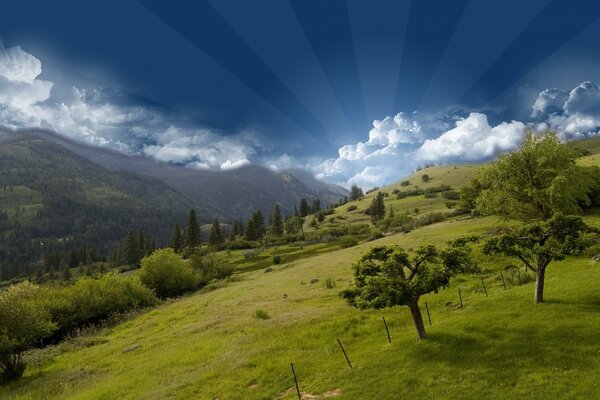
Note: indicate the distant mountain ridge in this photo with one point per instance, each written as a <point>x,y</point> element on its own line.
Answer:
<point>226,194</point>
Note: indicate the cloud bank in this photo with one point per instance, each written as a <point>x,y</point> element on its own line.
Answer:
<point>104,117</point>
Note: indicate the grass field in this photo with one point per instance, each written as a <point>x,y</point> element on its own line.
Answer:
<point>237,341</point>
<point>211,346</point>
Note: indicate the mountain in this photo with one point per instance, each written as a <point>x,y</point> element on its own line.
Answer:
<point>226,194</point>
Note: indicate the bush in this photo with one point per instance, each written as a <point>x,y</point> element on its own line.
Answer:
<point>329,283</point>
<point>351,208</point>
<point>404,183</point>
<point>251,253</point>
<point>261,314</point>
<point>23,321</point>
<point>209,269</point>
<point>431,195</point>
<point>89,301</point>
<point>451,195</point>
<point>276,260</point>
<point>347,241</point>
<point>167,273</point>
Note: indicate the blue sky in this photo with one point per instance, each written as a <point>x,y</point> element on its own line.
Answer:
<point>354,91</point>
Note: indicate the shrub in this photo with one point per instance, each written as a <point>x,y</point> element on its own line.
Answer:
<point>425,178</point>
<point>430,195</point>
<point>404,183</point>
<point>276,260</point>
<point>23,321</point>
<point>329,283</point>
<point>209,269</point>
<point>167,273</point>
<point>351,208</point>
<point>261,314</point>
<point>251,253</point>
<point>89,301</point>
<point>347,241</point>
<point>451,195</point>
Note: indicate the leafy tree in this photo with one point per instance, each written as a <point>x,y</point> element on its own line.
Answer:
<point>386,276</point>
<point>537,245</point>
<point>316,205</point>
<point>468,196</point>
<point>131,250</point>
<point>355,193</point>
<point>292,225</point>
<point>377,208</point>
<point>537,181</point>
<point>167,273</point>
<point>216,233</point>
<point>277,222</point>
<point>304,208</point>
<point>192,232</point>
<point>425,178</point>
<point>22,322</point>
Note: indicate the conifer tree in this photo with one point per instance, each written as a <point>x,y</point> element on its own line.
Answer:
<point>176,242</point>
<point>377,208</point>
<point>141,243</point>
<point>131,250</point>
<point>304,208</point>
<point>241,227</point>
<point>259,224</point>
<point>192,232</point>
<point>277,224</point>
<point>316,205</point>
<point>216,233</point>
<point>250,233</point>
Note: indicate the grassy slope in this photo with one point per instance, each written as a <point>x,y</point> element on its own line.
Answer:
<point>209,346</point>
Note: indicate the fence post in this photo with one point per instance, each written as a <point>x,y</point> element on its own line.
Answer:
<point>428,315</point>
<point>484,288</point>
<point>460,298</point>
<point>387,330</point>
<point>503,281</point>
<point>295,381</point>
<point>344,351</point>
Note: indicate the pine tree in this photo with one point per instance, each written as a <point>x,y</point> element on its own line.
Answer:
<point>192,232</point>
<point>131,250</point>
<point>277,224</point>
<point>392,214</point>
<point>377,208</point>
<point>241,227</point>
<point>250,233</point>
<point>216,233</point>
<point>141,243</point>
<point>66,272</point>
<point>304,208</point>
<point>259,223</point>
<point>176,242</point>
<point>316,205</point>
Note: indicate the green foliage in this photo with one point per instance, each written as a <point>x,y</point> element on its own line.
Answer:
<point>347,241</point>
<point>386,276</point>
<point>165,272</point>
<point>277,259</point>
<point>23,321</point>
<point>351,208</point>
<point>330,283</point>
<point>537,181</point>
<point>304,209</point>
<point>191,237</point>
<point>404,183</point>
<point>355,193</point>
<point>216,233</point>
<point>538,244</point>
<point>425,178</point>
<point>209,268</point>
<point>88,301</point>
<point>176,242</point>
<point>292,225</point>
<point>131,250</point>
<point>277,221</point>
<point>377,208</point>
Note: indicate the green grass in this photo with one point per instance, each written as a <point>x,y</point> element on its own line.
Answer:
<point>211,345</point>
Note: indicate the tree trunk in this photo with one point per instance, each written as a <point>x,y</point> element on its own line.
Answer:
<point>417,318</point>
<point>539,286</point>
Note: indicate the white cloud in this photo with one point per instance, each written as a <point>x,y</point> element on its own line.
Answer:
<point>101,117</point>
<point>549,101</point>
<point>473,139</point>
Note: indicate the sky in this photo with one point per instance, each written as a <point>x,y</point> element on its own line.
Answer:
<point>356,92</point>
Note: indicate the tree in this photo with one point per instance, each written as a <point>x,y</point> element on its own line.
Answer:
<point>250,233</point>
<point>142,243</point>
<point>292,225</point>
<point>216,233</point>
<point>259,223</point>
<point>192,232</point>
<point>425,178</point>
<point>304,208</point>
<point>537,181</point>
<point>131,250</point>
<point>386,276</point>
<point>355,193</point>
<point>537,245</point>
<point>377,208</point>
<point>277,222</point>
<point>316,205</point>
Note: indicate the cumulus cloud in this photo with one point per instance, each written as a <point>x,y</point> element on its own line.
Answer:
<point>104,117</point>
<point>473,139</point>
<point>573,115</point>
<point>549,101</point>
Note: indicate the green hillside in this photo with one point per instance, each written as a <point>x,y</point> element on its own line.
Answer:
<point>212,345</point>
